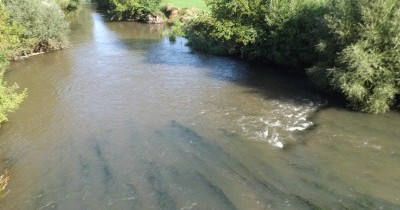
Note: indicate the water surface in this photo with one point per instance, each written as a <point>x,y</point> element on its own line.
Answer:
<point>125,119</point>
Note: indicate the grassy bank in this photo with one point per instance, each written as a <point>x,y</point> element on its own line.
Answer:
<point>198,4</point>
<point>149,11</point>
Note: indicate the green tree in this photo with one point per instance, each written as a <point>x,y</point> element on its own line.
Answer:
<point>364,48</point>
<point>10,34</point>
<point>44,24</point>
<point>282,31</point>
<point>129,9</point>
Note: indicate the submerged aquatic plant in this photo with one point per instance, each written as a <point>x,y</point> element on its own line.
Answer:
<point>3,184</point>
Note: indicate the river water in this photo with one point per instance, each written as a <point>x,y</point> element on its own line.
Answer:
<point>126,119</point>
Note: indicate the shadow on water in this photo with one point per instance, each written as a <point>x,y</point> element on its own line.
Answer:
<point>289,96</point>
<point>264,80</point>
<point>261,79</point>
<point>104,165</point>
<point>215,168</point>
<point>159,187</point>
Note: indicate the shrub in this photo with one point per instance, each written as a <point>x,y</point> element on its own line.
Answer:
<point>282,32</point>
<point>364,48</point>
<point>9,98</point>
<point>10,34</point>
<point>129,9</point>
<point>175,30</point>
<point>69,6</point>
<point>44,24</point>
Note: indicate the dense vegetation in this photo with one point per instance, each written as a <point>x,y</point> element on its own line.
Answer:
<point>350,47</point>
<point>39,26</point>
<point>9,97</point>
<point>137,10</point>
<point>70,6</point>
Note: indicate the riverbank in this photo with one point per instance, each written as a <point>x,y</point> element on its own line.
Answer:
<point>343,47</point>
<point>33,26</point>
<point>28,28</point>
<point>152,12</point>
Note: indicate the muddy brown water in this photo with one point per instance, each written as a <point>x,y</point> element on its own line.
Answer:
<point>125,119</point>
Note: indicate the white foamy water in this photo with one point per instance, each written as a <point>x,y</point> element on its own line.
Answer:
<point>278,124</point>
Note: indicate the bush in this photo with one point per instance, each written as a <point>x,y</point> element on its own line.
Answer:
<point>129,9</point>
<point>70,6</point>
<point>44,24</point>
<point>10,34</point>
<point>364,48</point>
<point>9,98</point>
<point>282,32</point>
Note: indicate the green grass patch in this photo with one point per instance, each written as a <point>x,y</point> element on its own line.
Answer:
<point>199,4</point>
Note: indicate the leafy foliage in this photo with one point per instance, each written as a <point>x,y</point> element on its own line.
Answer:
<point>69,6</point>
<point>367,68</point>
<point>280,31</point>
<point>26,27</point>
<point>44,24</point>
<point>9,98</point>
<point>351,47</point>
<point>129,9</point>
<point>10,39</point>
<point>10,34</point>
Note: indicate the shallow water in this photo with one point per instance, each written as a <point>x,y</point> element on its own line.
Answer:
<point>125,119</point>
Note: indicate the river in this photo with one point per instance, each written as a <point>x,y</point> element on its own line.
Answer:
<point>126,119</point>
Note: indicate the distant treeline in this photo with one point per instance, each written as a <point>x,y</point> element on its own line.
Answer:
<point>351,47</point>
<point>28,27</point>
